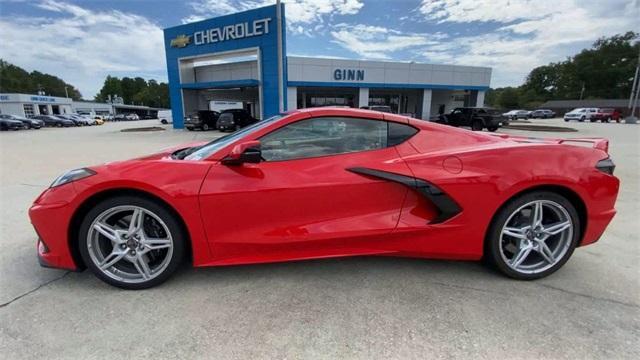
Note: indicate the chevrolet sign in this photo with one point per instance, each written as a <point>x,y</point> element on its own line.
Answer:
<point>232,32</point>
<point>181,41</point>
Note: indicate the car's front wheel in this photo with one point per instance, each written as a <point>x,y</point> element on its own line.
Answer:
<point>533,235</point>
<point>131,242</point>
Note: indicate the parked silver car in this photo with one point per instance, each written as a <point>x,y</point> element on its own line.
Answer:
<point>580,114</point>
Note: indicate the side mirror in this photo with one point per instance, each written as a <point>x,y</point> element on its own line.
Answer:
<point>246,152</point>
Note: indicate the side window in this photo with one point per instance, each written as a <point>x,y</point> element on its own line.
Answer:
<point>322,137</point>
<point>399,133</point>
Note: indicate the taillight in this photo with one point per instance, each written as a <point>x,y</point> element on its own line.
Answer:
<point>606,166</point>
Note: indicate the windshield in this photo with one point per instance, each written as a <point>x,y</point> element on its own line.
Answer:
<point>208,149</point>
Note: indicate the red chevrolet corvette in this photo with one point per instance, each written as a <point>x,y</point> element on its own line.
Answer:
<point>331,182</point>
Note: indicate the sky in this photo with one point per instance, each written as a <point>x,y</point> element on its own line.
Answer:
<point>84,41</point>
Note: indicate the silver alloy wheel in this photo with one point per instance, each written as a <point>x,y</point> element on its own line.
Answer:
<point>536,236</point>
<point>130,244</point>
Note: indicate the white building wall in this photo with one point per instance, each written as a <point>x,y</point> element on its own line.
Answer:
<point>292,98</point>
<point>303,69</point>
<point>226,72</point>
<point>480,99</point>
<point>363,97</point>
<point>12,109</point>
<point>426,104</point>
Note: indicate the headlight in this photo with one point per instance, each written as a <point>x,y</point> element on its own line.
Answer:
<point>72,175</point>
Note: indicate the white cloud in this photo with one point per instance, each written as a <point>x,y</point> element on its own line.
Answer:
<point>83,46</point>
<point>299,13</point>
<point>376,42</point>
<point>464,11</point>
<point>530,33</point>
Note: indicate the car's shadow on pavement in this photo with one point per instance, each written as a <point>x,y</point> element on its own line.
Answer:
<point>347,273</point>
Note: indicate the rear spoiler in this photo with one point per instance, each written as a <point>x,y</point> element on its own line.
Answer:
<point>596,143</point>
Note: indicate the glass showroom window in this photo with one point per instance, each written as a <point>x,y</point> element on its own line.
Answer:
<point>323,137</point>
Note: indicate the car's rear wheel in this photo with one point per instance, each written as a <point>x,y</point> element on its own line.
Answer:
<point>533,235</point>
<point>581,119</point>
<point>492,128</point>
<point>476,125</point>
<point>205,127</point>
<point>131,242</point>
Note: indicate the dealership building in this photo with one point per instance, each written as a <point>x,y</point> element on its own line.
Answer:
<point>242,57</point>
<point>28,105</point>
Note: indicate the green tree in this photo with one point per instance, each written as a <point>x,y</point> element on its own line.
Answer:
<point>603,71</point>
<point>14,79</point>
<point>154,95</point>
<point>509,98</point>
<point>112,86</point>
<point>17,80</point>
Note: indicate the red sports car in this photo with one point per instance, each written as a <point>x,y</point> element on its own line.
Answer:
<point>331,182</point>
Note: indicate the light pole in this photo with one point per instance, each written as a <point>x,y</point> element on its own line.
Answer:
<point>280,65</point>
<point>66,93</point>
<point>633,98</point>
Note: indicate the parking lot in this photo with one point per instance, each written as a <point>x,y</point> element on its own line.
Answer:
<point>366,307</point>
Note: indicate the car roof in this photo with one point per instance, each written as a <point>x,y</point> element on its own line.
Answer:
<point>350,112</point>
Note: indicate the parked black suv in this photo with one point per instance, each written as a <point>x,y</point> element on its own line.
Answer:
<point>201,119</point>
<point>475,118</point>
<point>234,119</point>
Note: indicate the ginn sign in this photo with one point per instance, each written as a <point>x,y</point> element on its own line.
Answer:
<point>348,74</point>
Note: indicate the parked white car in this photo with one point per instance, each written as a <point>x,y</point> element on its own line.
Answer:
<point>517,114</point>
<point>580,114</point>
<point>165,117</point>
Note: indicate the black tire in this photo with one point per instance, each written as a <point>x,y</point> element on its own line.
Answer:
<point>190,129</point>
<point>205,127</point>
<point>476,125</point>
<point>492,246</point>
<point>164,122</point>
<point>179,239</point>
<point>593,120</point>
<point>59,124</point>
<point>581,119</point>
<point>492,128</point>
<point>608,120</point>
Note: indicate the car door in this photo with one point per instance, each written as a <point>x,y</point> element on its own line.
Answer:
<point>303,200</point>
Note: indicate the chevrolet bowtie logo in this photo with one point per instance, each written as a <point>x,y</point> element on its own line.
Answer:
<point>181,41</point>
